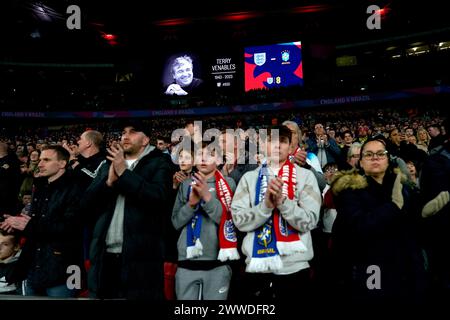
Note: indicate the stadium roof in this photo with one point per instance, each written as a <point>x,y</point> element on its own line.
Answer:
<point>37,29</point>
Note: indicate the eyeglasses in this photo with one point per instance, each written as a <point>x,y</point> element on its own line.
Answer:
<point>371,155</point>
<point>356,156</point>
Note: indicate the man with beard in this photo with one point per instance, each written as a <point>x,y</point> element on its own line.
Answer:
<point>127,246</point>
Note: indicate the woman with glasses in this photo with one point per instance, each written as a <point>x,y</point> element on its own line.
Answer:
<point>375,234</point>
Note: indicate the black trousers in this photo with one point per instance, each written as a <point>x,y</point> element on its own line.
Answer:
<point>111,283</point>
<point>281,288</point>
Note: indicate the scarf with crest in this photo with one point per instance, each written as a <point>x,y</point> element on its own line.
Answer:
<point>276,237</point>
<point>227,232</point>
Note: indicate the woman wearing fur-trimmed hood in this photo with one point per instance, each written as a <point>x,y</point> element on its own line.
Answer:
<point>376,242</point>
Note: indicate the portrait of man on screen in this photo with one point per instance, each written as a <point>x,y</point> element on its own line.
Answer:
<point>181,73</point>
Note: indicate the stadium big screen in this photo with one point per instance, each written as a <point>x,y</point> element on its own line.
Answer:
<point>273,66</point>
<point>224,70</point>
<point>201,72</point>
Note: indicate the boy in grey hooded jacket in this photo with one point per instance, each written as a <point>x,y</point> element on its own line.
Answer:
<point>200,274</point>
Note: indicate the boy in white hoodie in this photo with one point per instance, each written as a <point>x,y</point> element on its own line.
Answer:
<point>277,205</point>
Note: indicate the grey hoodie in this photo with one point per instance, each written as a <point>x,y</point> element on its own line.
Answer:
<point>114,237</point>
<point>182,214</point>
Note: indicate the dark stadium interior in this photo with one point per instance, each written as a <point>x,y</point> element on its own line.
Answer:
<point>364,93</point>
<point>114,61</point>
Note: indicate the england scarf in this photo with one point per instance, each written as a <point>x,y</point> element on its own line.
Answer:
<point>227,230</point>
<point>194,247</point>
<point>292,155</point>
<point>227,234</point>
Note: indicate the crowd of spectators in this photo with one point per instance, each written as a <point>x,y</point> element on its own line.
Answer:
<point>323,142</point>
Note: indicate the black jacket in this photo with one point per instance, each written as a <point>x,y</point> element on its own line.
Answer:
<point>147,192</point>
<point>194,88</point>
<point>9,184</point>
<point>370,230</point>
<point>88,168</point>
<point>53,235</point>
<point>435,178</point>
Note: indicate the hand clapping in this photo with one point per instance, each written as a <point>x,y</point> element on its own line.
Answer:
<point>178,178</point>
<point>118,164</point>
<point>12,223</point>
<point>274,194</point>
<point>300,157</point>
<point>200,189</point>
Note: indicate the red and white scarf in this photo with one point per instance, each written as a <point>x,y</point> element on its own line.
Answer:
<point>288,239</point>
<point>227,230</point>
<point>285,240</point>
<point>291,156</point>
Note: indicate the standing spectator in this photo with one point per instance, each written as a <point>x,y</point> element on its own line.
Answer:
<point>30,147</point>
<point>423,140</point>
<point>127,250</point>
<point>301,157</point>
<point>89,157</point>
<point>437,139</point>
<point>9,180</point>
<point>163,144</point>
<point>31,171</point>
<point>363,134</point>
<point>409,132</point>
<point>413,174</point>
<point>237,154</point>
<point>322,263</point>
<point>186,165</point>
<point>435,186</point>
<point>412,139</point>
<point>331,132</point>
<point>376,227</point>
<point>25,205</point>
<point>329,210</point>
<point>53,231</point>
<point>323,146</point>
<point>398,147</point>
<point>348,140</point>
<point>353,156</point>
<point>277,205</point>
<point>202,212</point>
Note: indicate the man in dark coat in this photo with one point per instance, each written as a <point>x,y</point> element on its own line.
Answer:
<point>53,231</point>
<point>127,246</point>
<point>90,157</point>
<point>435,186</point>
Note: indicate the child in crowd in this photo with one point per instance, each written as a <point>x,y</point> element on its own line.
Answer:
<point>277,205</point>
<point>208,239</point>
<point>9,254</point>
